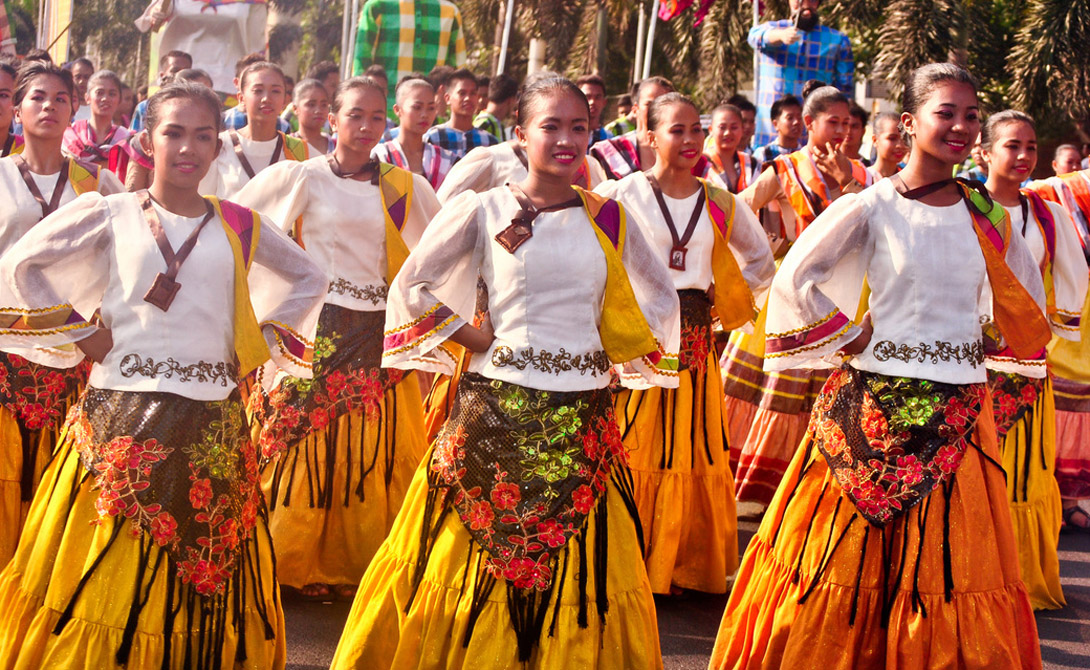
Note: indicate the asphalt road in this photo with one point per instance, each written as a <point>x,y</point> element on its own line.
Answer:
<point>688,624</point>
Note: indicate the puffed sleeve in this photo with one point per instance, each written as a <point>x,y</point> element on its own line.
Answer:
<point>472,173</point>
<point>423,209</point>
<point>1069,277</point>
<point>819,282</point>
<point>53,279</point>
<point>287,290</point>
<point>108,183</point>
<point>278,192</point>
<point>434,292</point>
<point>749,246</point>
<point>658,300</point>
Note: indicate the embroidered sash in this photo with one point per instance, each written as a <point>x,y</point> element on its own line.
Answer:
<point>733,300</point>
<point>243,229</point>
<point>396,188</point>
<point>1017,316</point>
<point>13,145</point>
<point>625,333</point>
<point>805,188</point>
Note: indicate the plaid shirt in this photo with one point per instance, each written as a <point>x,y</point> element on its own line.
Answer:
<point>488,122</point>
<point>406,36</point>
<point>437,161</point>
<point>769,152</point>
<point>235,118</point>
<point>598,135</point>
<point>621,126</point>
<point>457,142</point>
<point>823,53</point>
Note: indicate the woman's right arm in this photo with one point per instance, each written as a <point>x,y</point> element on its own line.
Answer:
<point>431,300</point>
<point>53,279</point>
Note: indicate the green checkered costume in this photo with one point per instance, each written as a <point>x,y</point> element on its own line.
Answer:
<point>409,36</point>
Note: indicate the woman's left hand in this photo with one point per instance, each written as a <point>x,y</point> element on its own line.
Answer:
<point>833,163</point>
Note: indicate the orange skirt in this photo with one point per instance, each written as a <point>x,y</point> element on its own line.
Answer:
<point>821,588</point>
<point>682,486</point>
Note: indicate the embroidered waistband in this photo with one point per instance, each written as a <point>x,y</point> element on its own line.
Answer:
<point>549,362</point>
<point>221,373</point>
<point>374,293</point>
<point>941,351</point>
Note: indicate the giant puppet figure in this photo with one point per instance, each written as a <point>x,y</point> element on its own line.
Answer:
<point>217,33</point>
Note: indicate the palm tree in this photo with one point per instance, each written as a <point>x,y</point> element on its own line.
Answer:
<point>1050,61</point>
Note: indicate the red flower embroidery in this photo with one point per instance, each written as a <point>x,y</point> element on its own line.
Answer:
<point>948,458</point>
<point>583,499</point>
<point>506,496</point>
<point>909,470</point>
<point>164,529</point>
<point>319,418</point>
<point>335,383</point>
<point>551,533</point>
<point>200,494</point>
<point>480,516</point>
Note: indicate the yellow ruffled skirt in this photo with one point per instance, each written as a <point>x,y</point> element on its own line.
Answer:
<point>15,494</point>
<point>937,588</point>
<point>437,631</point>
<point>682,484</point>
<point>329,516</point>
<point>60,544</point>
<point>1029,459</point>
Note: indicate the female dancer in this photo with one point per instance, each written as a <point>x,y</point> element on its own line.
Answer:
<point>518,541</point>
<point>727,167</point>
<point>34,397</point>
<point>415,109</point>
<point>311,101</point>
<point>10,143</point>
<point>247,151</point>
<point>889,542</point>
<point>1022,397</point>
<point>767,411</point>
<point>345,445</point>
<point>719,261</point>
<point>1069,364</point>
<point>146,543</point>
<point>889,145</point>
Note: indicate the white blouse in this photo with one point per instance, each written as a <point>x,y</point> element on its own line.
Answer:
<point>748,243</point>
<point>1069,281</point>
<point>226,176</point>
<point>21,211</point>
<point>927,277</point>
<point>545,300</point>
<point>99,254</point>
<point>344,227</point>
<point>488,167</point>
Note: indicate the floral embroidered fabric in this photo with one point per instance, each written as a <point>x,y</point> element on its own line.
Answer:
<point>1012,396</point>
<point>696,330</point>
<point>37,395</point>
<point>550,362</point>
<point>184,471</point>
<point>889,441</point>
<point>524,468</point>
<point>347,378</point>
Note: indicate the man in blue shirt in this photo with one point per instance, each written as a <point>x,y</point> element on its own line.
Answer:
<point>793,51</point>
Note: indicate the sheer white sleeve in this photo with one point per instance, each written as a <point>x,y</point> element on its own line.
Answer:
<point>821,277</point>
<point>108,183</point>
<point>1069,277</point>
<point>658,300</point>
<point>279,192</point>
<point>423,209</point>
<point>472,173</point>
<point>287,290</point>
<point>749,246</point>
<point>434,293</point>
<point>52,281</point>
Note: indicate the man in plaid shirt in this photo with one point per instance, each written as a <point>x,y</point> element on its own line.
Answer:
<point>407,36</point>
<point>793,51</point>
<point>458,134</point>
